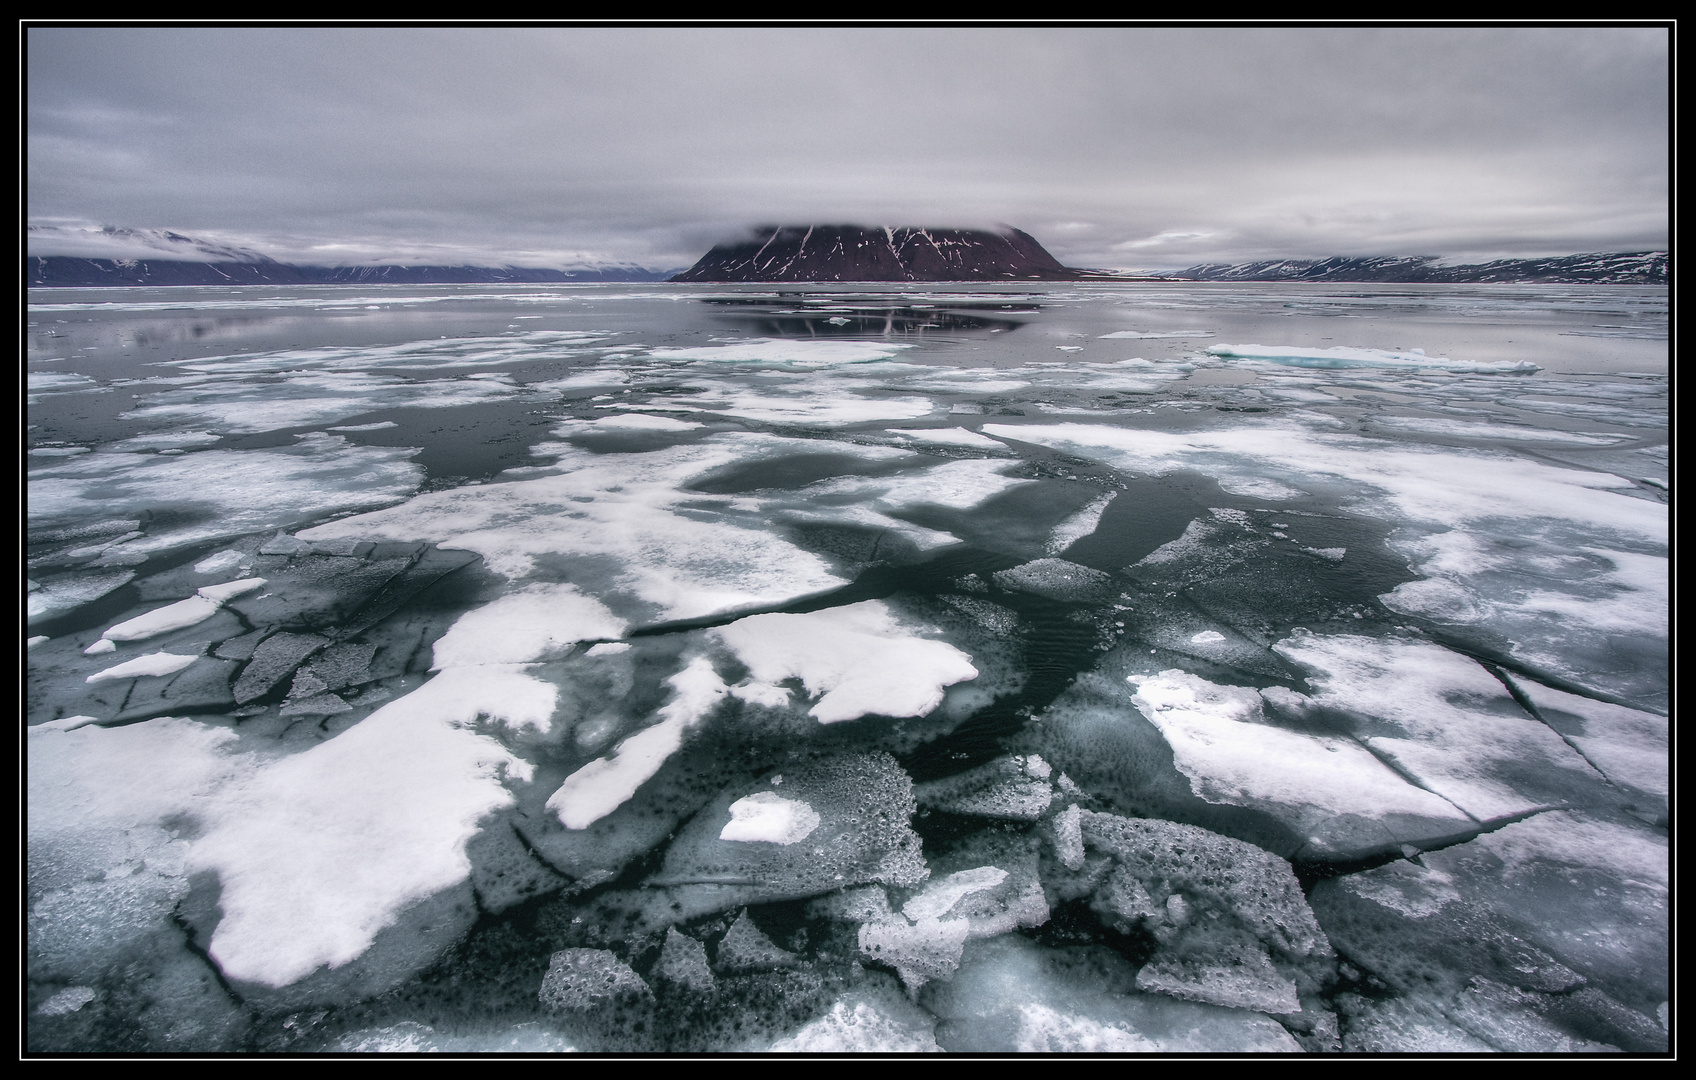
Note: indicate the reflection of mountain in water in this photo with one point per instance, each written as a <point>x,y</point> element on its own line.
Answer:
<point>797,315</point>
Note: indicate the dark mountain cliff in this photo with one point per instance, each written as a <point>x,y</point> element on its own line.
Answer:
<point>855,253</point>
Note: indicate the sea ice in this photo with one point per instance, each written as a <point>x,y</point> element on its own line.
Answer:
<point>859,659</point>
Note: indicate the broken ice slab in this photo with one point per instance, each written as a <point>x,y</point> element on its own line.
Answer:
<point>51,597</point>
<point>1014,788</point>
<point>1012,995</point>
<point>1331,789</point>
<point>1056,579</point>
<point>1559,904</point>
<point>746,948</point>
<point>273,661</point>
<point>1444,720</point>
<point>1630,747</point>
<point>1177,746</point>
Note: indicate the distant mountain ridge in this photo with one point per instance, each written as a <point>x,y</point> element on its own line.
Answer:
<point>858,253</point>
<point>64,271</point>
<point>1600,268</point>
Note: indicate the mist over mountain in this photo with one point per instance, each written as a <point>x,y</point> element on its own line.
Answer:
<point>858,253</point>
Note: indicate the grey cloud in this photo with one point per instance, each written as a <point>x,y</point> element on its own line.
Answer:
<point>646,144</point>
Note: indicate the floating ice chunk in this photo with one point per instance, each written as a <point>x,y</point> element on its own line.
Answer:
<point>225,493</point>
<point>230,589</point>
<point>64,723</point>
<point>524,626</point>
<point>104,874</point>
<point>919,952</point>
<point>1220,741</point>
<point>629,422</point>
<point>59,451</point>
<point>625,506</point>
<point>860,658</point>
<point>1629,746</point>
<point>1207,637</point>
<point>1448,487</point>
<point>887,1026</point>
<point>381,425</point>
<point>1056,579</point>
<point>174,440</point>
<point>220,562</point>
<point>67,1001</point>
<point>1452,725</point>
<point>1014,788</point>
<point>956,436</point>
<point>1011,995</point>
<point>159,663</point>
<point>746,948</point>
<point>1345,357</point>
<point>56,597</point>
<point>940,896</point>
<point>767,817</point>
<point>321,851</point>
<point>815,408</point>
<point>1160,334</point>
<point>101,645</point>
<point>863,801</point>
<point>787,352</point>
<point>607,648</point>
<point>683,962</point>
<point>605,784</point>
<point>1079,525</point>
<point>1467,429</point>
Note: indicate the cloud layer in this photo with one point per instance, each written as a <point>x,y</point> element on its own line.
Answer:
<point>1132,146</point>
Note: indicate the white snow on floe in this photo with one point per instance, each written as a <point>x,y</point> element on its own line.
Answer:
<point>605,784</point>
<point>1450,487</point>
<point>533,623</point>
<point>1345,357</point>
<point>625,422</point>
<point>1630,746</point>
<point>67,594</point>
<point>303,399</point>
<point>320,851</point>
<point>627,506</point>
<point>810,407</point>
<point>1221,742</point>
<point>381,425</point>
<point>766,817</point>
<point>224,492</point>
<point>940,896</point>
<point>860,658</point>
<point>1079,525</point>
<point>183,613</point>
<point>1207,637</point>
<point>1469,429</point>
<point>787,352</point>
<point>1448,723</point>
<point>159,663</point>
<point>956,436</point>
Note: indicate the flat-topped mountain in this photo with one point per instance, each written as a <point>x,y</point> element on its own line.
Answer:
<point>856,253</point>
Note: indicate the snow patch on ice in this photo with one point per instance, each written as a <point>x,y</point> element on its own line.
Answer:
<point>861,658</point>
<point>766,817</point>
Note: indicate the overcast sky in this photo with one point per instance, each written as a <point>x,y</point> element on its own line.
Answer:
<point>1132,147</point>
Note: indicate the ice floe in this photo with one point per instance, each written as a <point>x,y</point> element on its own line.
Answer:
<point>1346,357</point>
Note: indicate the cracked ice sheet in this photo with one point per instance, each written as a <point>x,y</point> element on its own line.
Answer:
<point>959,485</point>
<point>431,354</point>
<point>1445,721</point>
<point>626,508</point>
<point>302,400</point>
<point>223,493</point>
<point>1343,356</point>
<point>1445,486</point>
<point>1222,743</point>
